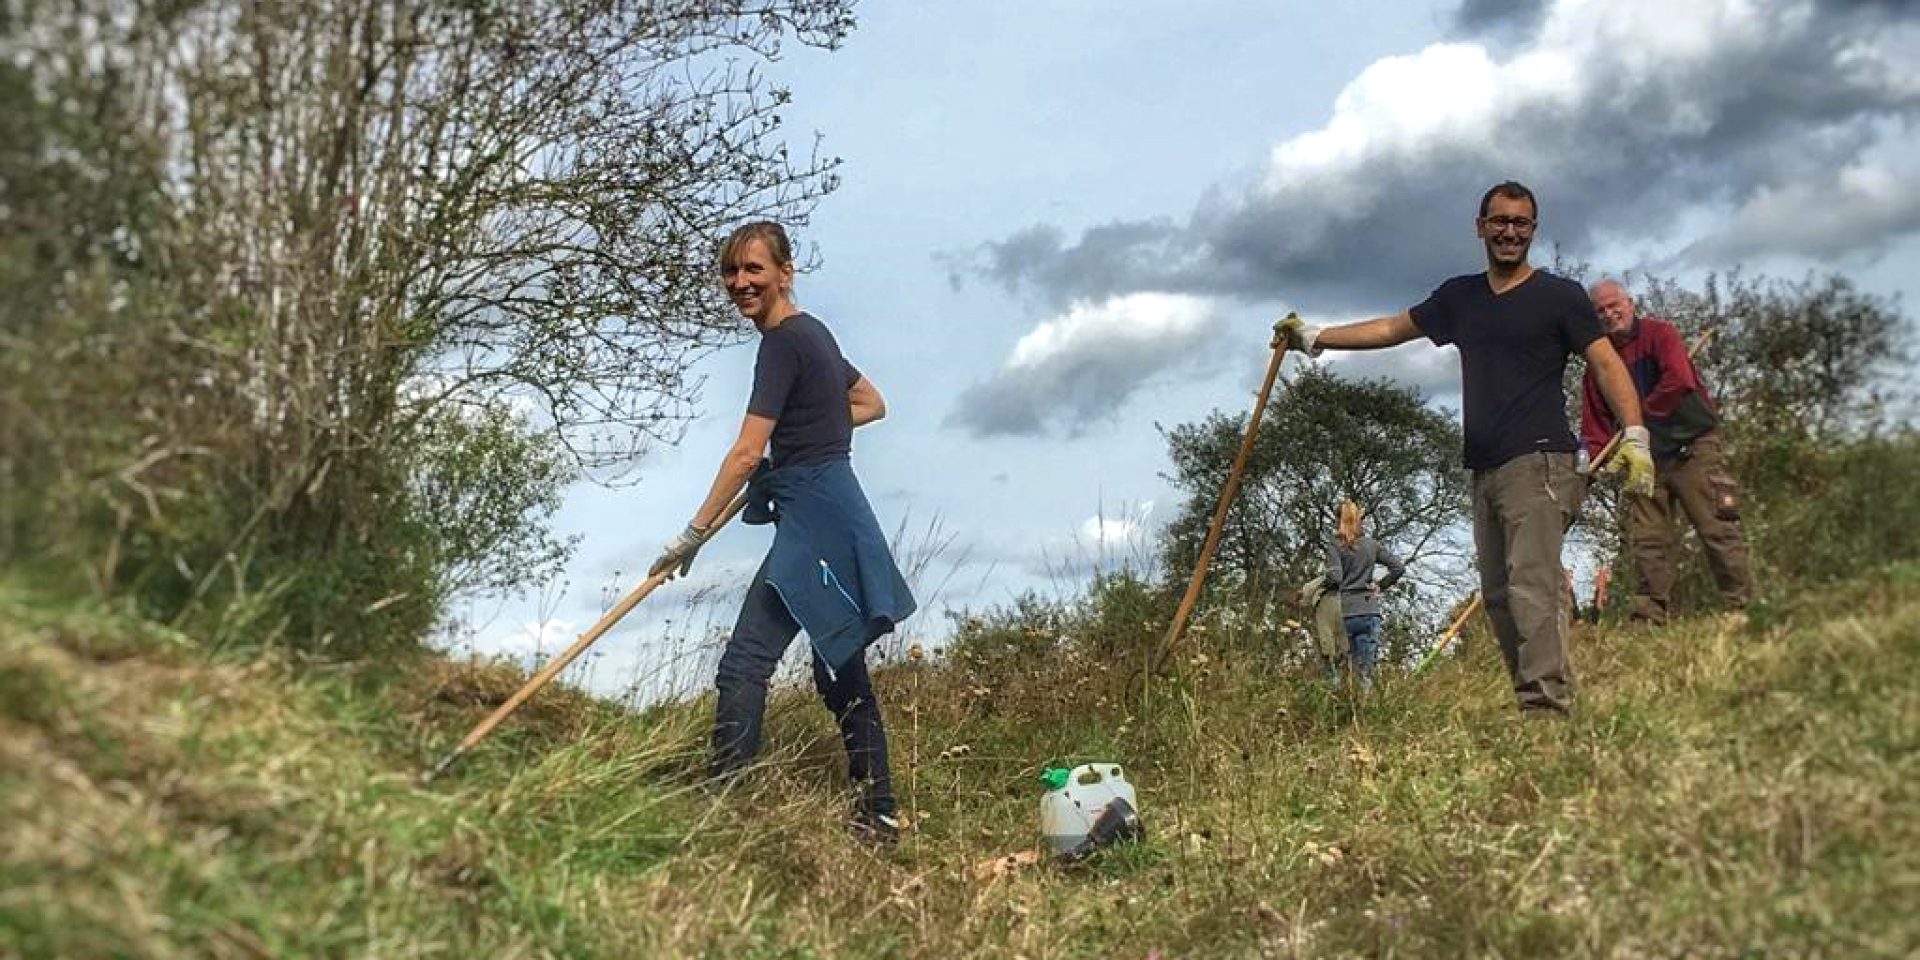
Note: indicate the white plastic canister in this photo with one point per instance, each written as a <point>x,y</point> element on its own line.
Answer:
<point>1067,813</point>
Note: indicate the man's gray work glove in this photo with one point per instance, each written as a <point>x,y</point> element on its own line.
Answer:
<point>679,552</point>
<point>1299,335</point>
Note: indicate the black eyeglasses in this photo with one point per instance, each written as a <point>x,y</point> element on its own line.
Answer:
<point>1516,224</point>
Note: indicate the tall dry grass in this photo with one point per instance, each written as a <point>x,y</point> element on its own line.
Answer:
<point>1722,791</point>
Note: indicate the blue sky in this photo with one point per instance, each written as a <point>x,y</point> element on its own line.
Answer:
<point>1065,222</point>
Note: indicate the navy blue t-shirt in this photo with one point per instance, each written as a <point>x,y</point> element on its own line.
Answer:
<point>1513,358</point>
<point>800,380</point>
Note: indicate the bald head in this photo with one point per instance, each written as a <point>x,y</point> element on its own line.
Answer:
<point>1615,307</point>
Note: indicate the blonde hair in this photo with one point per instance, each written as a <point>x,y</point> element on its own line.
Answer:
<point>773,234</point>
<point>1349,529</point>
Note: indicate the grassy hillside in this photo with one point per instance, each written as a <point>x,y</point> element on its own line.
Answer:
<point>1722,792</point>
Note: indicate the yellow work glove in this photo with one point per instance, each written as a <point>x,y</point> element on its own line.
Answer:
<point>1299,335</point>
<point>1634,461</point>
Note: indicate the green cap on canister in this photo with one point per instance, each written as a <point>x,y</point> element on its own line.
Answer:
<point>1054,777</point>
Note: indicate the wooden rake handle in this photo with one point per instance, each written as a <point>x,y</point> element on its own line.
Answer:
<point>572,653</point>
<point>1219,521</point>
<point>1459,623</point>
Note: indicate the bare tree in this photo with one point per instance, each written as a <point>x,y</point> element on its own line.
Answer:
<point>382,214</point>
<point>448,202</point>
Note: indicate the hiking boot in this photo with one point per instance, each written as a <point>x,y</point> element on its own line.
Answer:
<point>880,829</point>
<point>1647,611</point>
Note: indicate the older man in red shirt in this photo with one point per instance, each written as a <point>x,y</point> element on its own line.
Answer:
<point>1688,460</point>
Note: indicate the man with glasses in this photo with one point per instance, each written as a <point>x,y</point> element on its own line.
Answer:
<point>1515,326</point>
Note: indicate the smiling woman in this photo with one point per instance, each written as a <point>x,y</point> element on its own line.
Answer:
<point>829,571</point>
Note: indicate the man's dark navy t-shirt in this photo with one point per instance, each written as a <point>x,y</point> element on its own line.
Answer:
<point>1513,358</point>
<point>800,380</point>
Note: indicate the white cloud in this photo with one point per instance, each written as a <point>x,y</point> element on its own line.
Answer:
<point>1140,321</point>
<point>1108,531</point>
<point>1078,367</point>
<point>1417,365</point>
<point>518,642</point>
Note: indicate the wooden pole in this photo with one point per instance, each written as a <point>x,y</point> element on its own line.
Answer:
<point>1459,623</point>
<point>1227,494</point>
<point>561,662</point>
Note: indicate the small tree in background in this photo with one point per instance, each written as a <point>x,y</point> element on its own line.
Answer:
<point>1323,439</point>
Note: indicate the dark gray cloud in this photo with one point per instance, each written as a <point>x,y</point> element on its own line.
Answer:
<point>1628,120</point>
<point>1891,6</point>
<point>1477,16</point>
<point>1110,257</point>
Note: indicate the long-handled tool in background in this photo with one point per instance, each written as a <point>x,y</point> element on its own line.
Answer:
<point>559,663</point>
<point>1227,494</point>
<point>1459,623</point>
<point>1599,460</point>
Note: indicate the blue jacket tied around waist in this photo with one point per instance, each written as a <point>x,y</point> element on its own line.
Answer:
<point>829,563</point>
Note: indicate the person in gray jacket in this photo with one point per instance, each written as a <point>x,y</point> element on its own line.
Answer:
<point>1351,557</point>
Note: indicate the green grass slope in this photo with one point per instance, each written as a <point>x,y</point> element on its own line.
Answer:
<point>1721,792</point>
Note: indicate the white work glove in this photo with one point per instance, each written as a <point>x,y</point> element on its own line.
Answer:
<point>679,552</point>
<point>1299,335</point>
<point>1635,460</point>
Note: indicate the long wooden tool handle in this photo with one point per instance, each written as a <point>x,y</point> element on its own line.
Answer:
<point>1227,494</point>
<point>1459,623</point>
<point>572,653</point>
<point>1599,460</point>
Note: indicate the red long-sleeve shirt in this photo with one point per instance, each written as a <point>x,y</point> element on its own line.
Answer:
<point>1663,374</point>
